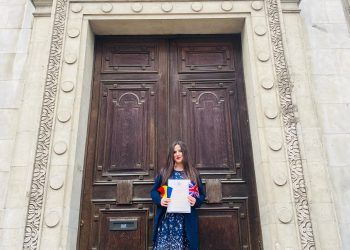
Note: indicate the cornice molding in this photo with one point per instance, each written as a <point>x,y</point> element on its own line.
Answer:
<point>43,8</point>
<point>346,4</point>
<point>291,1</point>
<point>42,3</point>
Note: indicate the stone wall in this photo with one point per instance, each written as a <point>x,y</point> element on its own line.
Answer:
<point>328,53</point>
<point>15,31</point>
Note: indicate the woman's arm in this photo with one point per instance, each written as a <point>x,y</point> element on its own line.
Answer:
<point>154,193</point>
<point>201,198</point>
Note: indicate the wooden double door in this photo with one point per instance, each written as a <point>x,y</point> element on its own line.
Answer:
<point>147,92</point>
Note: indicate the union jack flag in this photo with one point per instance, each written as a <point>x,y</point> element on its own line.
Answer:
<point>193,189</point>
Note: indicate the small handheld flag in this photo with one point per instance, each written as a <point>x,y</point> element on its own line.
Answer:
<point>193,190</point>
<point>165,191</point>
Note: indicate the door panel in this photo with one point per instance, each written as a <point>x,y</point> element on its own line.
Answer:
<point>113,234</point>
<point>148,91</point>
<point>207,112</point>
<point>205,57</point>
<point>217,227</point>
<point>128,114</point>
<point>130,57</point>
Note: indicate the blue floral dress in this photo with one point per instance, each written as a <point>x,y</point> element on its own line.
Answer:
<point>171,233</point>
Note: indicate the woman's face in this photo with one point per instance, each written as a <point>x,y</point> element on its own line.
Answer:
<point>178,157</point>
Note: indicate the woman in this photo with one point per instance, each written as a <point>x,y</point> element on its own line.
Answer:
<point>176,231</point>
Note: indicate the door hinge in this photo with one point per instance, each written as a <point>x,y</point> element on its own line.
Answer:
<point>81,223</point>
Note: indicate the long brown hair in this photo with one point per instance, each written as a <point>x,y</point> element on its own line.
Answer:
<point>190,172</point>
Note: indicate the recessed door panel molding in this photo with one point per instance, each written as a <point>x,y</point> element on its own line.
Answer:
<point>126,129</point>
<point>205,57</point>
<point>121,229</point>
<point>130,57</point>
<point>225,226</point>
<point>211,109</point>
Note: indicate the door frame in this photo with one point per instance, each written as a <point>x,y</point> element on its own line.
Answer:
<point>65,164</point>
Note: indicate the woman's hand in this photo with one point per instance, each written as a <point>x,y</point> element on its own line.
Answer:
<point>165,202</point>
<point>191,200</point>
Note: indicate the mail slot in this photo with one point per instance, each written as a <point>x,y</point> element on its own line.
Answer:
<point>122,224</point>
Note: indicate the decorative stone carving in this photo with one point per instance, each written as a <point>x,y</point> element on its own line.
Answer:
<point>271,113</point>
<point>63,116</point>
<point>275,145</point>
<point>70,58</point>
<point>285,215</point>
<point>226,6</point>
<point>76,8</point>
<point>302,209</point>
<point>106,7</point>
<point>267,83</point>
<point>137,7</point>
<point>60,148</point>
<point>56,182</point>
<point>167,7</point>
<point>260,30</point>
<point>197,6</point>
<point>278,246</point>
<point>73,32</point>
<point>263,56</point>
<point>52,219</point>
<point>280,179</point>
<point>257,5</point>
<point>67,86</point>
<point>37,187</point>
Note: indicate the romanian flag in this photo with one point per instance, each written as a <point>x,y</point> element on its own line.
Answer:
<point>165,191</point>
<point>193,190</point>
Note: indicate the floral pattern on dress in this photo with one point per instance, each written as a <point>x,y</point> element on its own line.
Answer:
<point>171,234</point>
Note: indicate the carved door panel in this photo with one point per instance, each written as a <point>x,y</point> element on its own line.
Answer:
<point>146,92</point>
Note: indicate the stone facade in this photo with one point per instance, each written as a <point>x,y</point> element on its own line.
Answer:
<point>17,136</point>
<point>328,57</point>
<point>296,70</point>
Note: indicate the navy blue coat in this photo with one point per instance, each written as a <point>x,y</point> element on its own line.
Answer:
<point>191,219</point>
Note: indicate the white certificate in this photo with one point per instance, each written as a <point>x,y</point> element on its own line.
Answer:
<point>179,201</point>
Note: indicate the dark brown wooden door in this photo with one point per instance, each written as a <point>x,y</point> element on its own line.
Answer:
<point>148,91</point>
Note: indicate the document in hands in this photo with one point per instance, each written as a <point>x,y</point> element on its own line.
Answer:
<point>179,202</point>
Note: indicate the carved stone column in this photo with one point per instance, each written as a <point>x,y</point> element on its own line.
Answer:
<point>302,209</point>
<point>43,147</point>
